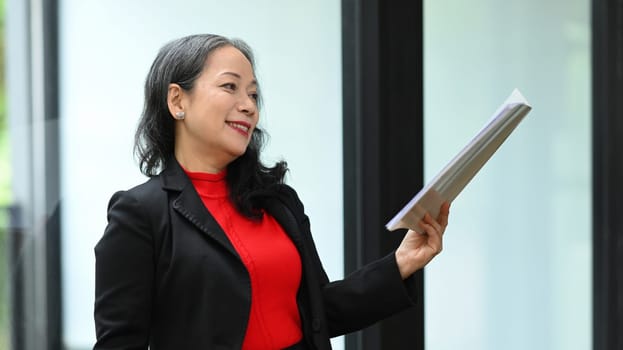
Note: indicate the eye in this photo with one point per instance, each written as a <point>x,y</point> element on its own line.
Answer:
<point>229,86</point>
<point>254,96</point>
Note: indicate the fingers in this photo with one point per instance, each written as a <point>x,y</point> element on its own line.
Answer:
<point>434,232</point>
<point>444,212</point>
<point>435,224</point>
<point>436,228</point>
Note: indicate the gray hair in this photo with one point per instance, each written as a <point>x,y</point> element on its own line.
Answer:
<point>180,61</point>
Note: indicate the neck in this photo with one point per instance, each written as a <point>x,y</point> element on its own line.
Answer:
<point>197,164</point>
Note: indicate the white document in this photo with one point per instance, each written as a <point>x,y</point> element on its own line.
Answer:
<point>450,181</point>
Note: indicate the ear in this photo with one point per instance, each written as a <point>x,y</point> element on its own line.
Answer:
<point>175,95</point>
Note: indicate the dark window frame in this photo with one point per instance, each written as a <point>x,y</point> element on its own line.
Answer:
<point>607,77</point>
<point>382,145</point>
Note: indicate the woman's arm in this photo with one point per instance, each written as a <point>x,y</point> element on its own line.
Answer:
<point>377,290</point>
<point>124,269</point>
<point>370,294</point>
<point>385,286</point>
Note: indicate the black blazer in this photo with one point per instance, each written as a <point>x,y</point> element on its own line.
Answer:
<point>167,277</point>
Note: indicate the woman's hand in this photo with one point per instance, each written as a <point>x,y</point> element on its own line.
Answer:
<point>417,249</point>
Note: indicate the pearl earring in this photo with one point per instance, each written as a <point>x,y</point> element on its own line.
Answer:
<point>180,115</point>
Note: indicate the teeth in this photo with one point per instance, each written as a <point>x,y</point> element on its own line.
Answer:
<point>238,126</point>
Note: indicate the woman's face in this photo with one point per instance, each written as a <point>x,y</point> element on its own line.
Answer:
<point>220,113</point>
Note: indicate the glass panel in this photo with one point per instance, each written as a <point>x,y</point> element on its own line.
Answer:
<point>516,268</point>
<point>5,196</point>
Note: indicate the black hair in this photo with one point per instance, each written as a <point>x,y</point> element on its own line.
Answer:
<point>181,61</point>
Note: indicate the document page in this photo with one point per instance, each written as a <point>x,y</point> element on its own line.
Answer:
<point>453,178</point>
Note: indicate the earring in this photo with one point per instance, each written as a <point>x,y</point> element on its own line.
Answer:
<point>180,115</point>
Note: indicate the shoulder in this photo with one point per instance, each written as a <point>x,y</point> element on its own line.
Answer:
<point>137,212</point>
<point>139,197</point>
<point>289,197</point>
<point>148,189</point>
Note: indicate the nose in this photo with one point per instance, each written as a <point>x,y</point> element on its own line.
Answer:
<point>247,105</point>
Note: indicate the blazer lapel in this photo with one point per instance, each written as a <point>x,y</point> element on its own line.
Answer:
<point>189,205</point>
<point>309,298</point>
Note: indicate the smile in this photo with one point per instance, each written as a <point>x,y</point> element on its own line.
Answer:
<point>240,126</point>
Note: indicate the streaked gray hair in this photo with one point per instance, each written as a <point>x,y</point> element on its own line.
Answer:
<point>180,61</point>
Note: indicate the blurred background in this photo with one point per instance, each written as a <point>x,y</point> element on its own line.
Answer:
<point>5,191</point>
<point>517,266</point>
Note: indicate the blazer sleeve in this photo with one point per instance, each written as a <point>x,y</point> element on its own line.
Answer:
<point>124,270</point>
<point>372,293</point>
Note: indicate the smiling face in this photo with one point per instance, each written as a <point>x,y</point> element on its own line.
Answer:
<point>220,112</point>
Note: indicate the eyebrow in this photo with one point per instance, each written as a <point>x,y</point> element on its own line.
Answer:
<point>253,82</point>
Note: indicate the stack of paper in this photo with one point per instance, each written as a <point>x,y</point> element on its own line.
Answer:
<point>451,180</point>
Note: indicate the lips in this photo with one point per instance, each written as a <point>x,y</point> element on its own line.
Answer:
<point>242,127</point>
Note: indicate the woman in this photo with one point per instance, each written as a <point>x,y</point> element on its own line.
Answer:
<point>214,251</point>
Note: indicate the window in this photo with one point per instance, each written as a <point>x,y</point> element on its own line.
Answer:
<point>516,268</point>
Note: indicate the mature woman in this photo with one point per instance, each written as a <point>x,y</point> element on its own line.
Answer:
<point>214,251</point>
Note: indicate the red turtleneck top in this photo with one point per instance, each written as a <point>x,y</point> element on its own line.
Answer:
<point>271,259</point>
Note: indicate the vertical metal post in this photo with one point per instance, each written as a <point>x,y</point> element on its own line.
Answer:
<point>607,35</point>
<point>383,168</point>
